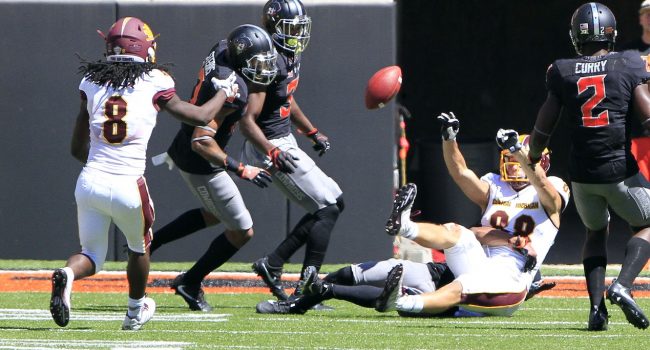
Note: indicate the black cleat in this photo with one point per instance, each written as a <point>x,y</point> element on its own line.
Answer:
<point>402,204</point>
<point>278,307</point>
<point>392,290</point>
<point>60,299</point>
<point>193,295</point>
<point>621,296</point>
<point>271,276</point>
<point>598,318</point>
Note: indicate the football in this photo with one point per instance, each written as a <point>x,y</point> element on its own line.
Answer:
<point>383,86</point>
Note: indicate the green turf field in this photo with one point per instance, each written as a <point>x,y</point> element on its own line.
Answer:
<point>541,323</point>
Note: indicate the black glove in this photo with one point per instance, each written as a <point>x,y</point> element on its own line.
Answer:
<point>284,161</point>
<point>531,260</point>
<point>449,126</point>
<point>321,142</point>
<point>258,176</point>
<point>508,140</point>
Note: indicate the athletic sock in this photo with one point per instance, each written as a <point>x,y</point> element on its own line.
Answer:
<point>594,268</point>
<point>410,303</point>
<point>293,242</point>
<point>187,223</point>
<point>319,236</point>
<point>409,229</point>
<point>69,273</point>
<point>134,307</point>
<point>220,251</point>
<point>362,295</point>
<point>637,252</point>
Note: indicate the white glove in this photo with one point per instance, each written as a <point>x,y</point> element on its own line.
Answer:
<point>228,86</point>
<point>508,139</point>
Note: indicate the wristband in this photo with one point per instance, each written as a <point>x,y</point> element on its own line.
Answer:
<point>312,132</point>
<point>231,164</point>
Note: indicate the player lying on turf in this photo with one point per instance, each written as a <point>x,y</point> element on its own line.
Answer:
<point>494,280</point>
<point>364,283</point>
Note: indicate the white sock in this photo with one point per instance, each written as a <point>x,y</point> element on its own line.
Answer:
<point>69,273</point>
<point>409,229</point>
<point>134,307</point>
<point>410,303</point>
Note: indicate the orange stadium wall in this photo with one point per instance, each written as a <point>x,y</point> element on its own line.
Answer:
<point>40,100</point>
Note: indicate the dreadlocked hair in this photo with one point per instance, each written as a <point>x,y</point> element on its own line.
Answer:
<point>118,74</point>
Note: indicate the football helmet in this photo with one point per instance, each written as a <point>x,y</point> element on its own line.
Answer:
<point>592,22</point>
<point>250,51</point>
<point>511,170</point>
<point>288,24</point>
<point>130,40</point>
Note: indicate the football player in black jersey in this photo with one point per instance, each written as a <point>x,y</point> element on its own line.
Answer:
<point>198,152</point>
<point>600,91</point>
<point>271,144</point>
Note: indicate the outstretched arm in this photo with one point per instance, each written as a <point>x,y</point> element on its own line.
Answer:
<point>547,118</point>
<point>475,189</point>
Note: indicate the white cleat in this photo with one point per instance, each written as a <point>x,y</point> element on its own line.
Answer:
<point>146,313</point>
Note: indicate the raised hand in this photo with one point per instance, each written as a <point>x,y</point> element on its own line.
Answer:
<point>508,139</point>
<point>449,126</point>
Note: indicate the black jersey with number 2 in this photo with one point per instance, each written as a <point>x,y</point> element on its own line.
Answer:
<point>180,150</point>
<point>274,120</point>
<point>596,93</point>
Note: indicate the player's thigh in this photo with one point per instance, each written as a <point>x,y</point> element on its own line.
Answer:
<point>630,199</point>
<point>467,255</point>
<point>308,185</point>
<point>93,219</point>
<point>220,196</point>
<point>591,204</point>
<point>373,273</point>
<point>133,212</point>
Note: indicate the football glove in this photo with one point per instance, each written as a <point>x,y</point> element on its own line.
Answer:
<point>321,142</point>
<point>284,161</point>
<point>228,86</point>
<point>259,177</point>
<point>508,140</point>
<point>449,126</point>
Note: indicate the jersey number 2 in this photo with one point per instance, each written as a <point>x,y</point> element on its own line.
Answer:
<point>115,128</point>
<point>598,83</point>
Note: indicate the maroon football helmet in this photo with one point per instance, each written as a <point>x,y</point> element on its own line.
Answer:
<point>511,171</point>
<point>130,40</point>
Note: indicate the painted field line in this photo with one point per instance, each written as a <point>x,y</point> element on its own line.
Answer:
<point>38,315</point>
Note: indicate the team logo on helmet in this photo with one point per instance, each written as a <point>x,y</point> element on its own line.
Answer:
<point>274,8</point>
<point>148,32</point>
<point>242,43</point>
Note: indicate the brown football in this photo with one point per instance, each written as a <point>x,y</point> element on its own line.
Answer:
<point>383,86</point>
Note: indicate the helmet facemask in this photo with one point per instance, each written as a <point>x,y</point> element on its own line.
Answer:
<point>261,68</point>
<point>293,34</point>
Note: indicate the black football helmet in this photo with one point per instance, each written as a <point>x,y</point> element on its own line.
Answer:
<point>288,24</point>
<point>592,22</point>
<point>251,52</point>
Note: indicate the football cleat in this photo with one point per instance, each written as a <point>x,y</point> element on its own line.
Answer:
<point>402,204</point>
<point>278,307</point>
<point>598,318</point>
<point>271,276</point>
<point>193,295</point>
<point>60,300</point>
<point>392,290</point>
<point>146,313</point>
<point>621,296</point>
